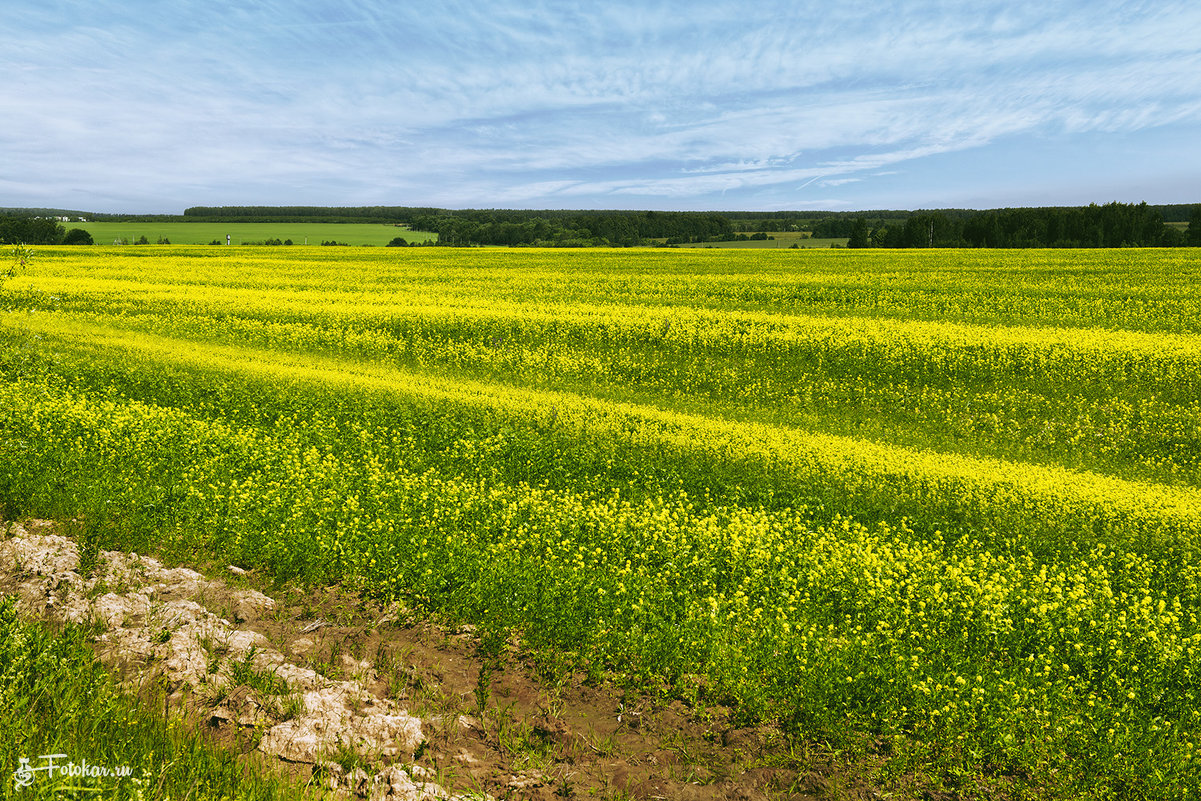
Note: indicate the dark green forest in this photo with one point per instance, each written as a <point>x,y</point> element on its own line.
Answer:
<point>32,230</point>
<point>1110,225</point>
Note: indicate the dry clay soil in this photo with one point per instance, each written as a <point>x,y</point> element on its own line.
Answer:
<point>353,699</point>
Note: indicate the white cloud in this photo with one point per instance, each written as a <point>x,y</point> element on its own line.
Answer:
<point>509,103</point>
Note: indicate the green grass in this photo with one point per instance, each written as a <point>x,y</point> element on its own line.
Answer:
<point>202,233</point>
<point>56,699</point>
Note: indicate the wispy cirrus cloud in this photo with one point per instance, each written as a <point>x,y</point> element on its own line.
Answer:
<point>652,105</point>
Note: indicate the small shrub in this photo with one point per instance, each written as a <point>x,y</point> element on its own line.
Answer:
<point>78,236</point>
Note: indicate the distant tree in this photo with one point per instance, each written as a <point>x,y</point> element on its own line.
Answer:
<point>1173,237</point>
<point>398,242</point>
<point>930,230</point>
<point>1193,237</point>
<point>859,234</point>
<point>142,240</point>
<point>30,231</point>
<point>78,236</point>
<point>833,228</point>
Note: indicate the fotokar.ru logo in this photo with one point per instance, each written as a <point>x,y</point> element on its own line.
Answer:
<point>25,774</point>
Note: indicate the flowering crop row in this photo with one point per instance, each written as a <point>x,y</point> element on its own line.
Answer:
<point>753,506</point>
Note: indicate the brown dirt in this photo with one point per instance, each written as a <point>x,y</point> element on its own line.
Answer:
<point>370,677</point>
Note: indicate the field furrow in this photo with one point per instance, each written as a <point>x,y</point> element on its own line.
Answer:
<point>959,510</point>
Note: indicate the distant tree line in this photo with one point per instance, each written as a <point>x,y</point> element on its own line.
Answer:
<point>1109,226</point>
<point>294,214</point>
<point>553,227</point>
<point>25,211</point>
<point>40,231</point>
<point>572,228</point>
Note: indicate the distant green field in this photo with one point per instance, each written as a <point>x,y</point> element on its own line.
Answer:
<point>202,233</point>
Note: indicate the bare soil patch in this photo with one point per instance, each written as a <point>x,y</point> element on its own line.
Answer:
<point>363,700</point>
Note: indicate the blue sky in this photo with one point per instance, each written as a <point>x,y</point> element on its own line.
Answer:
<point>154,106</point>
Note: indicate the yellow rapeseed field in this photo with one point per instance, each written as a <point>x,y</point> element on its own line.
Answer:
<point>947,500</point>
